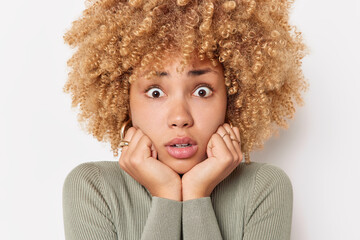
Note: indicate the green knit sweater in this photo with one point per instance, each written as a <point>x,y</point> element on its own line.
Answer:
<point>103,202</point>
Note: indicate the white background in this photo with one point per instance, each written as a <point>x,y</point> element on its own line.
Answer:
<point>41,140</point>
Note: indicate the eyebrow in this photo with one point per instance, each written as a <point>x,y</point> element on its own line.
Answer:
<point>191,73</point>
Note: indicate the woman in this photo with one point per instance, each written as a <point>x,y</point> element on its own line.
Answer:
<point>184,88</point>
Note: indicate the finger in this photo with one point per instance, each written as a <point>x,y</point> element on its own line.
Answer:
<point>234,140</point>
<point>132,137</point>
<point>153,151</point>
<point>143,152</point>
<point>129,134</point>
<point>230,131</point>
<point>135,150</point>
<point>237,133</point>
<point>217,148</point>
<point>222,154</point>
<point>226,138</point>
<point>134,140</point>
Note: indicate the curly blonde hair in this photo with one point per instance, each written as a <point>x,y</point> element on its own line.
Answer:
<point>252,39</point>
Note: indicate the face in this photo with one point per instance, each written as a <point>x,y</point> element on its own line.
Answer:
<point>179,111</point>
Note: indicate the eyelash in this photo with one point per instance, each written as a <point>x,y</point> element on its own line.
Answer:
<point>152,87</point>
<point>200,86</point>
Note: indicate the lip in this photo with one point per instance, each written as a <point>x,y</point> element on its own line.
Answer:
<point>182,153</point>
<point>183,140</point>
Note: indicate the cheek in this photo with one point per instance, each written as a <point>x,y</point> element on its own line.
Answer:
<point>147,118</point>
<point>144,118</point>
<point>210,118</point>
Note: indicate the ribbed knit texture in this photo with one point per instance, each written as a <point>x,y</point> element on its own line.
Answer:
<point>103,202</point>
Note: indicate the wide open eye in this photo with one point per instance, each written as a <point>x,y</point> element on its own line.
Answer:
<point>203,91</point>
<point>154,92</point>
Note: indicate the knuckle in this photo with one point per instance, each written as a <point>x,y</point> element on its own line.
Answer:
<point>238,149</point>
<point>144,137</point>
<point>228,158</point>
<point>130,132</point>
<point>131,129</point>
<point>236,129</point>
<point>241,157</point>
<point>221,129</point>
<point>218,135</point>
<point>135,161</point>
<point>143,140</point>
<point>138,131</point>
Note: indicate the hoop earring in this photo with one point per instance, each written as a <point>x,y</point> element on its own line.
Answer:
<point>122,129</point>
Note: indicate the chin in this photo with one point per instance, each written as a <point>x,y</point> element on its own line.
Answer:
<point>181,171</point>
<point>182,166</point>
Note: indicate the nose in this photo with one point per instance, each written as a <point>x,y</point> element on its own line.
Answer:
<point>180,115</point>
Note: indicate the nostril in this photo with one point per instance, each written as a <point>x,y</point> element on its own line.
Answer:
<point>184,125</point>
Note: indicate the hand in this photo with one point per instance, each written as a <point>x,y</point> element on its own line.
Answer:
<point>224,155</point>
<point>139,161</point>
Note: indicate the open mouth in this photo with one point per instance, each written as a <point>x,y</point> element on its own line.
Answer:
<point>181,148</point>
<point>181,145</point>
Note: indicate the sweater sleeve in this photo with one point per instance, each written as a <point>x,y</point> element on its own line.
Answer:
<point>87,214</point>
<point>199,220</point>
<point>164,220</point>
<point>270,212</point>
